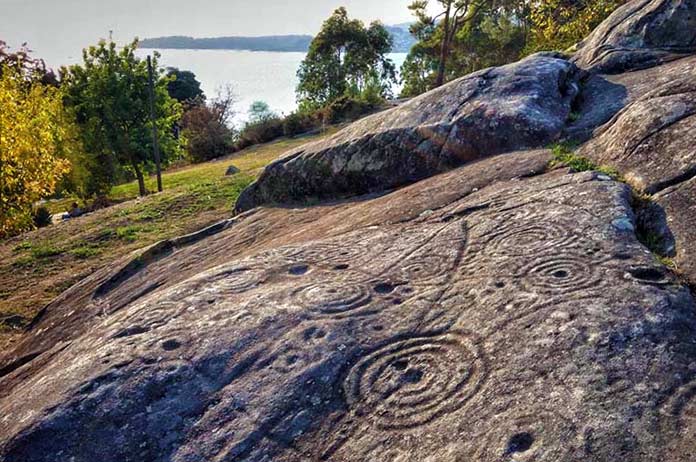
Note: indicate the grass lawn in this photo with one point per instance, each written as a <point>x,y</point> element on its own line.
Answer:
<point>39,265</point>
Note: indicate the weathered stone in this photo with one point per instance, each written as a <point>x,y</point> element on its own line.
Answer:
<point>642,33</point>
<point>135,276</point>
<point>679,203</point>
<point>603,96</point>
<point>522,105</point>
<point>516,320</point>
<point>231,170</point>
<point>652,142</point>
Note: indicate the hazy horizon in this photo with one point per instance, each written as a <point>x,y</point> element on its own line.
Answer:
<point>58,31</point>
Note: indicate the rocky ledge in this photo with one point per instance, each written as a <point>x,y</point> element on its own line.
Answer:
<point>494,308</point>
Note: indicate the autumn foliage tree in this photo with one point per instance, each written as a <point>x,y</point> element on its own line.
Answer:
<point>37,137</point>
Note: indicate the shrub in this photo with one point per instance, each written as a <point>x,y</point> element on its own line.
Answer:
<point>42,217</point>
<point>45,251</point>
<point>347,108</point>
<point>206,134</point>
<point>260,132</point>
<point>300,122</point>
<point>269,127</point>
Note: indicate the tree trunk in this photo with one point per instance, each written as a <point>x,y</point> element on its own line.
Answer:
<point>141,179</point>
<point>444,50</point>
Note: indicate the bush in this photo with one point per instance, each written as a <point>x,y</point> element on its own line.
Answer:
<point>42,217</point>
<point>344,109</point>
<point>260,132</point>
<point>206,134</point>
<point>300,122</point>
<point>347,108</point>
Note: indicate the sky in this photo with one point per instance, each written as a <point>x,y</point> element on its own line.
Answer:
<point>58,29</point>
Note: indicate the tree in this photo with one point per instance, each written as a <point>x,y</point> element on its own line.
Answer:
<point>30,68</point>
<point>37,136</point>
<point>469,35</point>
<point>184,87</point>
<point>109,93</point>
<point>344,58</point>
<point>260,111</point>
<point>206,127</point>
<point>559,24</point>
<point>456,15</point>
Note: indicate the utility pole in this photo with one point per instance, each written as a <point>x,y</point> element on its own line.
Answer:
<point>155,138</point>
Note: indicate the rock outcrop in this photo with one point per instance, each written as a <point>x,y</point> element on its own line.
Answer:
<point>522,105</point>
<point>679,205</point>
<point>500,311</point>
<point>603,96</point>
<point>517,315</point>
<point>640,34</point>
<point>652,142</point>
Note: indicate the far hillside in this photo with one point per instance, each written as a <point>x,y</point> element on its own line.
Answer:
<point>280,43</point>
<point>403,41</point>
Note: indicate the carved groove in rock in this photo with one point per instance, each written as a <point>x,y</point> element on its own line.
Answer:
<point>682,403</point>
<point>425,269</point>
<point>411,382</point>
<point>518,239</point>
<point>325,252</point>
<point>527,437</point>
<point>336,299</point>
<point>239,280</point>
<point>560,274</point>
<point>428,264</point>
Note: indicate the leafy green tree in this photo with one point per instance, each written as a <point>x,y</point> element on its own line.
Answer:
<point>469,35</point>
<point>345,58</point>
<point>260,111</point>
<point>560,24</point>
<point>456,15</point>
<point>437,55</point>
<point>184,87</point>
<point>109,93</point>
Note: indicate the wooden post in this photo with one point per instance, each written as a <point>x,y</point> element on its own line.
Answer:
<point>153,119</point>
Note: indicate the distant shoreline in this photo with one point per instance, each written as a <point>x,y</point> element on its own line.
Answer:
<point>276,43</point>
<point>273,43</point>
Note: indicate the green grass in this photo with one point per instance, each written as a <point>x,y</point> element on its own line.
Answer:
<point>130,233</point>
<point>574,116</point>
<point>668,263</point>
<point>85,252</point>
<point>25,245</point>
<point>564,155</point>
<point>45,251</point>
<point>203,176</point>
